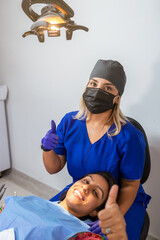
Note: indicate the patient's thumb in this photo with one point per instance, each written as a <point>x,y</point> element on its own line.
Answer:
<point>112,197</point>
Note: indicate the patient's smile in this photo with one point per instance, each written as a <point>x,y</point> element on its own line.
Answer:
<point>78,194</point>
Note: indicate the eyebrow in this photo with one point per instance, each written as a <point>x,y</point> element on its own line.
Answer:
<point>96,185</point>
<point>104,83</point>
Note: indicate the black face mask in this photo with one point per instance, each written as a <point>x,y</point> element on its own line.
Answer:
<point>98,100</point>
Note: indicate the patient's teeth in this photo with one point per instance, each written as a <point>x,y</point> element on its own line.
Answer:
<point>78,193</point>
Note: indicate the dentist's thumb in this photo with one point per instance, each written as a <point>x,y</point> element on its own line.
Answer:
<point>112,197</point>
<point>53,126</point>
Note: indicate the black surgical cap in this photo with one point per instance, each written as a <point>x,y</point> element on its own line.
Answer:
<point>112,71</point>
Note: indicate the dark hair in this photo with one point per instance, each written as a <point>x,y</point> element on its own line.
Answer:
<point>109,179</point>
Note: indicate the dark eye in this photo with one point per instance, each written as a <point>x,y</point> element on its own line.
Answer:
<point>95,193</point>
<point>107,88</point>
<point>93,84</point>
<point>86,181</point>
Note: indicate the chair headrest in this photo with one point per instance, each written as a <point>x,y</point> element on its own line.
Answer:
<point>147,165</point>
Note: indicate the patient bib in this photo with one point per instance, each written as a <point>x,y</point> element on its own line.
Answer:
<point>36,218</point>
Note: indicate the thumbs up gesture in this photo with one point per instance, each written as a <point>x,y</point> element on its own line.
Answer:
<point>50,141</point>
<point>112,222</point>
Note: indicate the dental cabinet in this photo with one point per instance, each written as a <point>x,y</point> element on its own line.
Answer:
<point>4,143</point>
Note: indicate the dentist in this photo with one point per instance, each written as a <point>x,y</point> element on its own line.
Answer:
<point>99,137</point>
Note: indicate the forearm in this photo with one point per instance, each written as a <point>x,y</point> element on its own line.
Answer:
<point>53,162</point>
<point>127,195</point>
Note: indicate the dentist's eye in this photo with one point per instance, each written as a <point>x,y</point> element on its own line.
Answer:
<point>107,88</point>
<point>93,84</point>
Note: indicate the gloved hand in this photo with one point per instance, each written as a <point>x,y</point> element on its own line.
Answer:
<point>95,228</point>
<point>50,141</point>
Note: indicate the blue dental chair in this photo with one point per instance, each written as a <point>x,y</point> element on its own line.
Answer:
<point>145,176</point>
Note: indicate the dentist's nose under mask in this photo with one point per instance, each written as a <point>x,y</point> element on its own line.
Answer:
<point>98,100</point>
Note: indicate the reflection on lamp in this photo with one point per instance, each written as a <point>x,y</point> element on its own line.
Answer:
<point>53,16</point>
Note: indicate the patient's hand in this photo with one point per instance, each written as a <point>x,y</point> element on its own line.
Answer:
<point>112,221</point>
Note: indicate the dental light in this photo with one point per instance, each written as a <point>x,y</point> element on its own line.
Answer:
<point>55,15</point>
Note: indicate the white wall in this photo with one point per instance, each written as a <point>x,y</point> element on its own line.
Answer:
<point>45,80</point>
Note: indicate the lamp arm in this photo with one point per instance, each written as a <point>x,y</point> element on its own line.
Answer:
<point>39,34</point>
<point>71,28</point>
<point>29,33</point>
<point>77,27</point>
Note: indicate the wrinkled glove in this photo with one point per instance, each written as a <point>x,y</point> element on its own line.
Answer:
<point>95,228</point>
<point>50,141</point>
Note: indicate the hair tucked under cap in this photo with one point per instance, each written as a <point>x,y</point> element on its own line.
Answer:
<point>112,71</point>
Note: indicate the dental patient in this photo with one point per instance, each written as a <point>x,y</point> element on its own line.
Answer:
<point>32,217</point>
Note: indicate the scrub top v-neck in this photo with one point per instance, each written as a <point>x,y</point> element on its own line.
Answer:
<point>121,155</point>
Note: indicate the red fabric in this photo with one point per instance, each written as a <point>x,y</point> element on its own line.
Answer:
<point>86,236</point>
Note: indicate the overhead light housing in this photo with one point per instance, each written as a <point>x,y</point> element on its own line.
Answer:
<point>55,15</point>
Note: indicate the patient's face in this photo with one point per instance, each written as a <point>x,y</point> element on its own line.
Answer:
<point>86,195</point>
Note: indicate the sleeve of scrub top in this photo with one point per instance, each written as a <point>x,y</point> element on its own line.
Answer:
<point>61,129</point>
<point>133,155</point>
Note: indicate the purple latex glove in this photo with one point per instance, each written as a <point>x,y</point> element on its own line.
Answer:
<point>50,140</point>
<point>95,228</point>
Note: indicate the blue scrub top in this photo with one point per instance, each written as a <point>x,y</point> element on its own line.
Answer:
<point>122,155</point>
